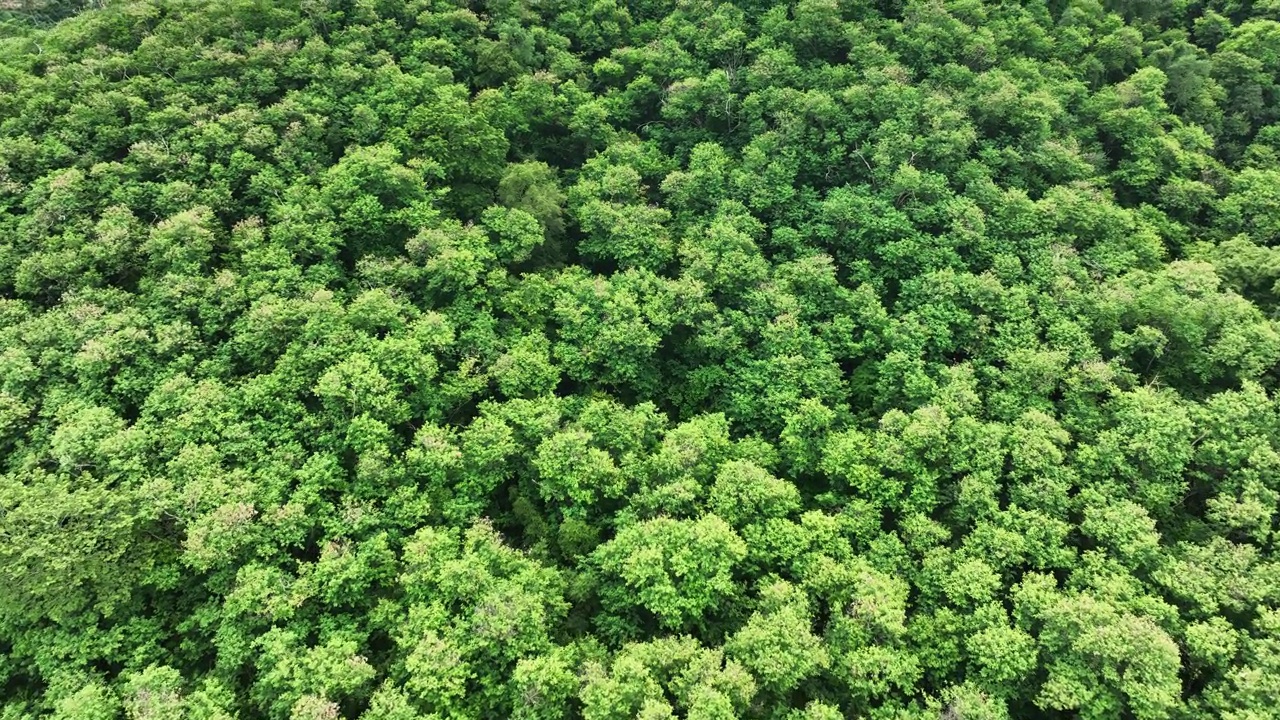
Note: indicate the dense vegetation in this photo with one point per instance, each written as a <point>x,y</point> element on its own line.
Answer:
<point>601,359</point>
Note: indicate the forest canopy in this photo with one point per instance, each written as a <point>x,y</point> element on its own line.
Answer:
<point>606,359</point>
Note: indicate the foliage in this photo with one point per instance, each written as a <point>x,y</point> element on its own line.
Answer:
<point>551,360</point>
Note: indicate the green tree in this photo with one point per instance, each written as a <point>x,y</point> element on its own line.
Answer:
<point>677,570</point>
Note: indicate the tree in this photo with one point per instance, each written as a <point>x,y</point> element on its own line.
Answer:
<point>533,188</point>
<point>1103,660</point>
<point>662,677</point>
<point>777,643</point>
<point>677,570</point>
